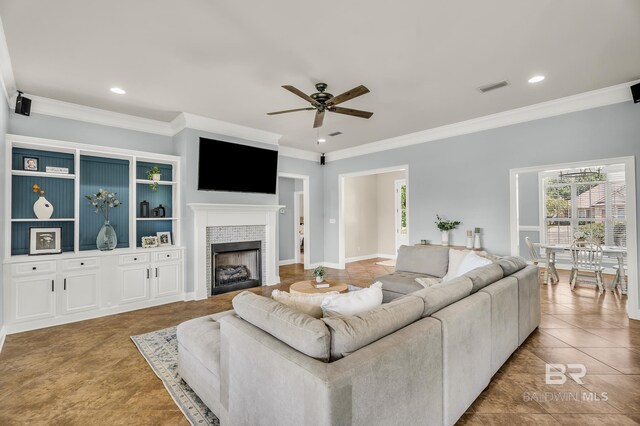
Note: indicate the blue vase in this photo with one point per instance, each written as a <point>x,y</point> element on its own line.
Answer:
<point>107,239</point>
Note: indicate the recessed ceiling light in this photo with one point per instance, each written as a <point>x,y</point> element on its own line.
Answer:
<point>118,91</point>
<point>322,140</point>
<point>536,79</point>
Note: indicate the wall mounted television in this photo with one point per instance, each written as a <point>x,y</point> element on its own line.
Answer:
<point>226,166</point>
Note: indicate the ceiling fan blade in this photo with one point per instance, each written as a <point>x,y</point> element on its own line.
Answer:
<point>290,110</point>
<point>319,119</point>
<point>350,94</point>
<point>301,94</point>
<point>349,111</point>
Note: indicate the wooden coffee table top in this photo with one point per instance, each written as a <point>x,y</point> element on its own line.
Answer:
<point>307,287</point>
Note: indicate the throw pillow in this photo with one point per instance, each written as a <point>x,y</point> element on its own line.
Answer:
<point>455,258</point>
<point>472,261</point>
<point>354,302</point>
<point>306,303</point>
<point>428,281</point>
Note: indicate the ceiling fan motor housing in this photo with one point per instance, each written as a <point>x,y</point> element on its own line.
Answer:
<point>321,96</point>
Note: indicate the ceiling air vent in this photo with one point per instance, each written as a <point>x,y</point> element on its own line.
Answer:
<point>335,133</point>
<point>493,86</point>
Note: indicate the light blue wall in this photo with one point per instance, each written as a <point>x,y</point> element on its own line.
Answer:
<point>286,220</point>
<point>467,177</point>
<point>44,126</point>
<point>4,117</point>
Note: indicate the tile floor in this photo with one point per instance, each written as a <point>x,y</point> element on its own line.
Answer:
<point>90,372</point>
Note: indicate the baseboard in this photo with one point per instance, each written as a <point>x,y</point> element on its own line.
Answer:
<point>3,335</point>
<point>332,265</point>
<point>287,262</point>
<point>189,296</point>
<point>369,256</point>
<point>387,256</point>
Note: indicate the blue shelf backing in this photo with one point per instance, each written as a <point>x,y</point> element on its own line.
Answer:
<point>164,196</point>
<point>59,192</point>
<point>166,170</point>
<point>20,235</point>
<point>108,174</point>
<point>149,228</point>
<point>45,158</point>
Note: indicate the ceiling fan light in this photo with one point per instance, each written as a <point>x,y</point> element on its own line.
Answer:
<point>322,140</point>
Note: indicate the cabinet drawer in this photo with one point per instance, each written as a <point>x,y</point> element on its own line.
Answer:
<point>80,264</point>
<point>33,268</point>
<point>167,255</point>
<point>131,259</point>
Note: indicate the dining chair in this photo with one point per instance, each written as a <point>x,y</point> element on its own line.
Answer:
<point>617,279</point>
<point>587,263</point>
<point>533,254</point>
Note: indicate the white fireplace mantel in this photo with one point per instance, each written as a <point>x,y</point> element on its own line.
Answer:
<point>207,215</point>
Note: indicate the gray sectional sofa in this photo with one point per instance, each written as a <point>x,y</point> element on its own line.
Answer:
<point>422,358</point>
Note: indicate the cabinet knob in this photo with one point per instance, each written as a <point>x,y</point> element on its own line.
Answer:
<point>81,263</point>
<point>135,258</point>
<point>168,255</point>
<point>34,268</point>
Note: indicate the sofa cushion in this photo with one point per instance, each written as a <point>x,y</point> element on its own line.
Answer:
<point>512,264</point>
<point>352,332</point>
<point>425,260</point>
<point>444,294</point>
<point>455,259</point>
<point>428,281</point>
<point>306,303</point>
<point>298,330</point>
<point>353,302</point>
<point>470,262</point>
<point>201,337</point>
<point>485,275</point>
<point>400,282</point>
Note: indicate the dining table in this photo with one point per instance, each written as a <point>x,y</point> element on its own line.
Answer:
<point>612,252</point>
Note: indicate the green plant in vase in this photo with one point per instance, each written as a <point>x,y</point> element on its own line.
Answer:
<point>319,273</point>
<point>445,226</point>
<point>103,201</point>
<point>154,175</point>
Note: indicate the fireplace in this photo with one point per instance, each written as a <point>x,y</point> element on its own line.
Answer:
<point>235,266</point>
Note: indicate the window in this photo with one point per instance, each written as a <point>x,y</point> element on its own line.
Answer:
<point>586,203</point>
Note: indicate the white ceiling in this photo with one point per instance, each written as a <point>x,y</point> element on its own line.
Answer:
<point>422,60</point>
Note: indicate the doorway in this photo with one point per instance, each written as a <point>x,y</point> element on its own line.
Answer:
<point>294,224</point>
<point>298,225</point>
<point>402,236</point>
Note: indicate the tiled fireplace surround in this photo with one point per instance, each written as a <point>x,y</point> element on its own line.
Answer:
<point>223,223</point>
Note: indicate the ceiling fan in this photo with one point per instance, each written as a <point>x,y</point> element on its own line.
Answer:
<point>324,101</point>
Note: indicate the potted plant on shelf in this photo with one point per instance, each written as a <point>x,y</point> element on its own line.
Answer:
<point>154,175</point>
<point>445,226</point>
<point>319,273</point>
<point>104,201</point>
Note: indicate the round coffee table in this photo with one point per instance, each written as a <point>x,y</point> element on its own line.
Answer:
<point>308,287</point>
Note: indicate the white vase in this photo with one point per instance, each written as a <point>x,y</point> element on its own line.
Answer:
<point>43,208</point>
<point>445,238</point>
<point>469,242</point>
<point>319,279</point>
<point>476,242</point>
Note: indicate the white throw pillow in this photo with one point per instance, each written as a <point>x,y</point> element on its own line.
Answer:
<point>353,302</point>
<point>455,259</point>
<point>428,281</point>
<point>472,261</point>
<point>305,303</point>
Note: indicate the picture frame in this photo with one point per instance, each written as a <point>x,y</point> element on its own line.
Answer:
<point>149,242</point>
<point>30,164</point>
<point>45,241</point>
<point>164,239</point>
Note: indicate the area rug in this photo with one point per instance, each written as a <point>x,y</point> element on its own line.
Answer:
<point>160,349</point>
<point>390,262</point>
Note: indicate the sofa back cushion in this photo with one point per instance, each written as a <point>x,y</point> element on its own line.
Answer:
<point>444,294</point>
<point>352,332</point>
<point>512,264</point>
<point>298,330</point>
<point>306,303</point>
<point>353,302</point>
<point>485,275</point>
<point>427,260</point>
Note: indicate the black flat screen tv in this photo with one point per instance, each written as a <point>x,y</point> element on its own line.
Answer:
<point>225,166</point>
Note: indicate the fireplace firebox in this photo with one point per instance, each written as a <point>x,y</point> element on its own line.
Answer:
<point>235,266</point>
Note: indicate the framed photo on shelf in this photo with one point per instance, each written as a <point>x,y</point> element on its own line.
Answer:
<point>45,241</point>
<point>149,242</point>
<point>164,239</point>
<point>30,164</point>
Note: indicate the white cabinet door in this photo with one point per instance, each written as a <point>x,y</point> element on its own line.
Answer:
<point>168,279</point>
<point>134,284</point>
<point>80,291</point>
<point>34,297</point>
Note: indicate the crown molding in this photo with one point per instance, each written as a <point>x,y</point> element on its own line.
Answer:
<point>211,125</point>
<point>583,101</point>
<point>300,154</point>
<point>55,108</point>
<point>7,79</point>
